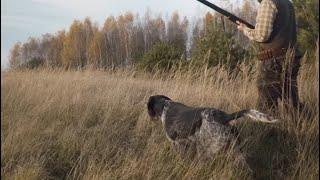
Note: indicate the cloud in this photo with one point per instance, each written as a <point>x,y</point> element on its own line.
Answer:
<point>94,7</point>
<point>83,6</point>
<point>17,21</point>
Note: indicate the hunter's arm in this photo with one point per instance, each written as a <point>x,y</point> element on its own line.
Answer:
<point>264,22</point>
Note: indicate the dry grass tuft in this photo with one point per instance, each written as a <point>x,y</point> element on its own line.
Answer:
<point>94,125</point>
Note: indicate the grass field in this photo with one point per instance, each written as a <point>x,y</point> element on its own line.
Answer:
<point>94,125</point>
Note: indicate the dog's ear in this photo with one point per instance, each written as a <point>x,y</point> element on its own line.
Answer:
<point>155,106</point>
<point>151,111</point>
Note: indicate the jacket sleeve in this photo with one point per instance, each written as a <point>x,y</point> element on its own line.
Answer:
<point>264,22</point>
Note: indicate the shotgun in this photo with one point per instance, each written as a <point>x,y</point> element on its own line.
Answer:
<point>230,16</point>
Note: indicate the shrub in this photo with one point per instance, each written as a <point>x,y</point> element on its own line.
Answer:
<point>161,56</point>
<point>218,48</point>
<point>32,64</point>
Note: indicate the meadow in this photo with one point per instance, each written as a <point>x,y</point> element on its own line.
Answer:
<point>91,124</point>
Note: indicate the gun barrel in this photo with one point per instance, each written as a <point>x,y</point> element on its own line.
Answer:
<point>230,16</point>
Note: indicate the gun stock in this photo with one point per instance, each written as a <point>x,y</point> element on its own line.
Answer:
<point>230,16</point>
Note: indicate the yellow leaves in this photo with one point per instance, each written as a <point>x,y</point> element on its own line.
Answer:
<point>208,18</point>
<point>160,23</point>
<point>96,48</point>
<point>109,24</point>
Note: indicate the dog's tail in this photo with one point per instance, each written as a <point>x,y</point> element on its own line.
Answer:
<point>253,114</point>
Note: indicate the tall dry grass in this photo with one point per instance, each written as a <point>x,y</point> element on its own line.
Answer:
<point>94,125</point>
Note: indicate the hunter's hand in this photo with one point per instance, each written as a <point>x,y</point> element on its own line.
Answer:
<point>240,26</point>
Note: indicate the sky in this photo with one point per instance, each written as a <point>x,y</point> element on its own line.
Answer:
<point>21,19</point>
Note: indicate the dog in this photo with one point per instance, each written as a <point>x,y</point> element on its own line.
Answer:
<point>208,128</point>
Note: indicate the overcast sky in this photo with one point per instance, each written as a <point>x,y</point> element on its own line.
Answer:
<point>21,19</point>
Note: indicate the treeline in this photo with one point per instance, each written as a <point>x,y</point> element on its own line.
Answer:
<point>147,42</point>
<point>122,41</point>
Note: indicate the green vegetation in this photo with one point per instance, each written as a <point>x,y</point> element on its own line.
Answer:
<point>307,14</point>
<point>161,57</point>
<point>218,48</point>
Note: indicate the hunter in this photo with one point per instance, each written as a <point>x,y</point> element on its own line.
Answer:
<point>275,33</point>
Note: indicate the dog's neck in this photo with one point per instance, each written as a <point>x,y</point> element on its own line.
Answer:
<point>164,111</point>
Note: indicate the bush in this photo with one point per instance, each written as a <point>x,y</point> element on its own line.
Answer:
<point>34,63</point>
<point>161,56</point>
<point>218,48</point>
<point>307,15</point>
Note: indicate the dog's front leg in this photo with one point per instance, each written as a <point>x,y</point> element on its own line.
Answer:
<point>185,148</point>
<point>181,145</point>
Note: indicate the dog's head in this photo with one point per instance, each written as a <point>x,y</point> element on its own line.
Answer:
<point>155,106</point>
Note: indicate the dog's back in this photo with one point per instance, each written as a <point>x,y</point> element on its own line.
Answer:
<point>180,120</point>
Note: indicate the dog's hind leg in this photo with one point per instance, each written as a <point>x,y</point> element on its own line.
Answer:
<point>240,160</point>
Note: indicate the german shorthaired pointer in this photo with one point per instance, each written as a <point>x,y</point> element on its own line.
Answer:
<point>208,128</point>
